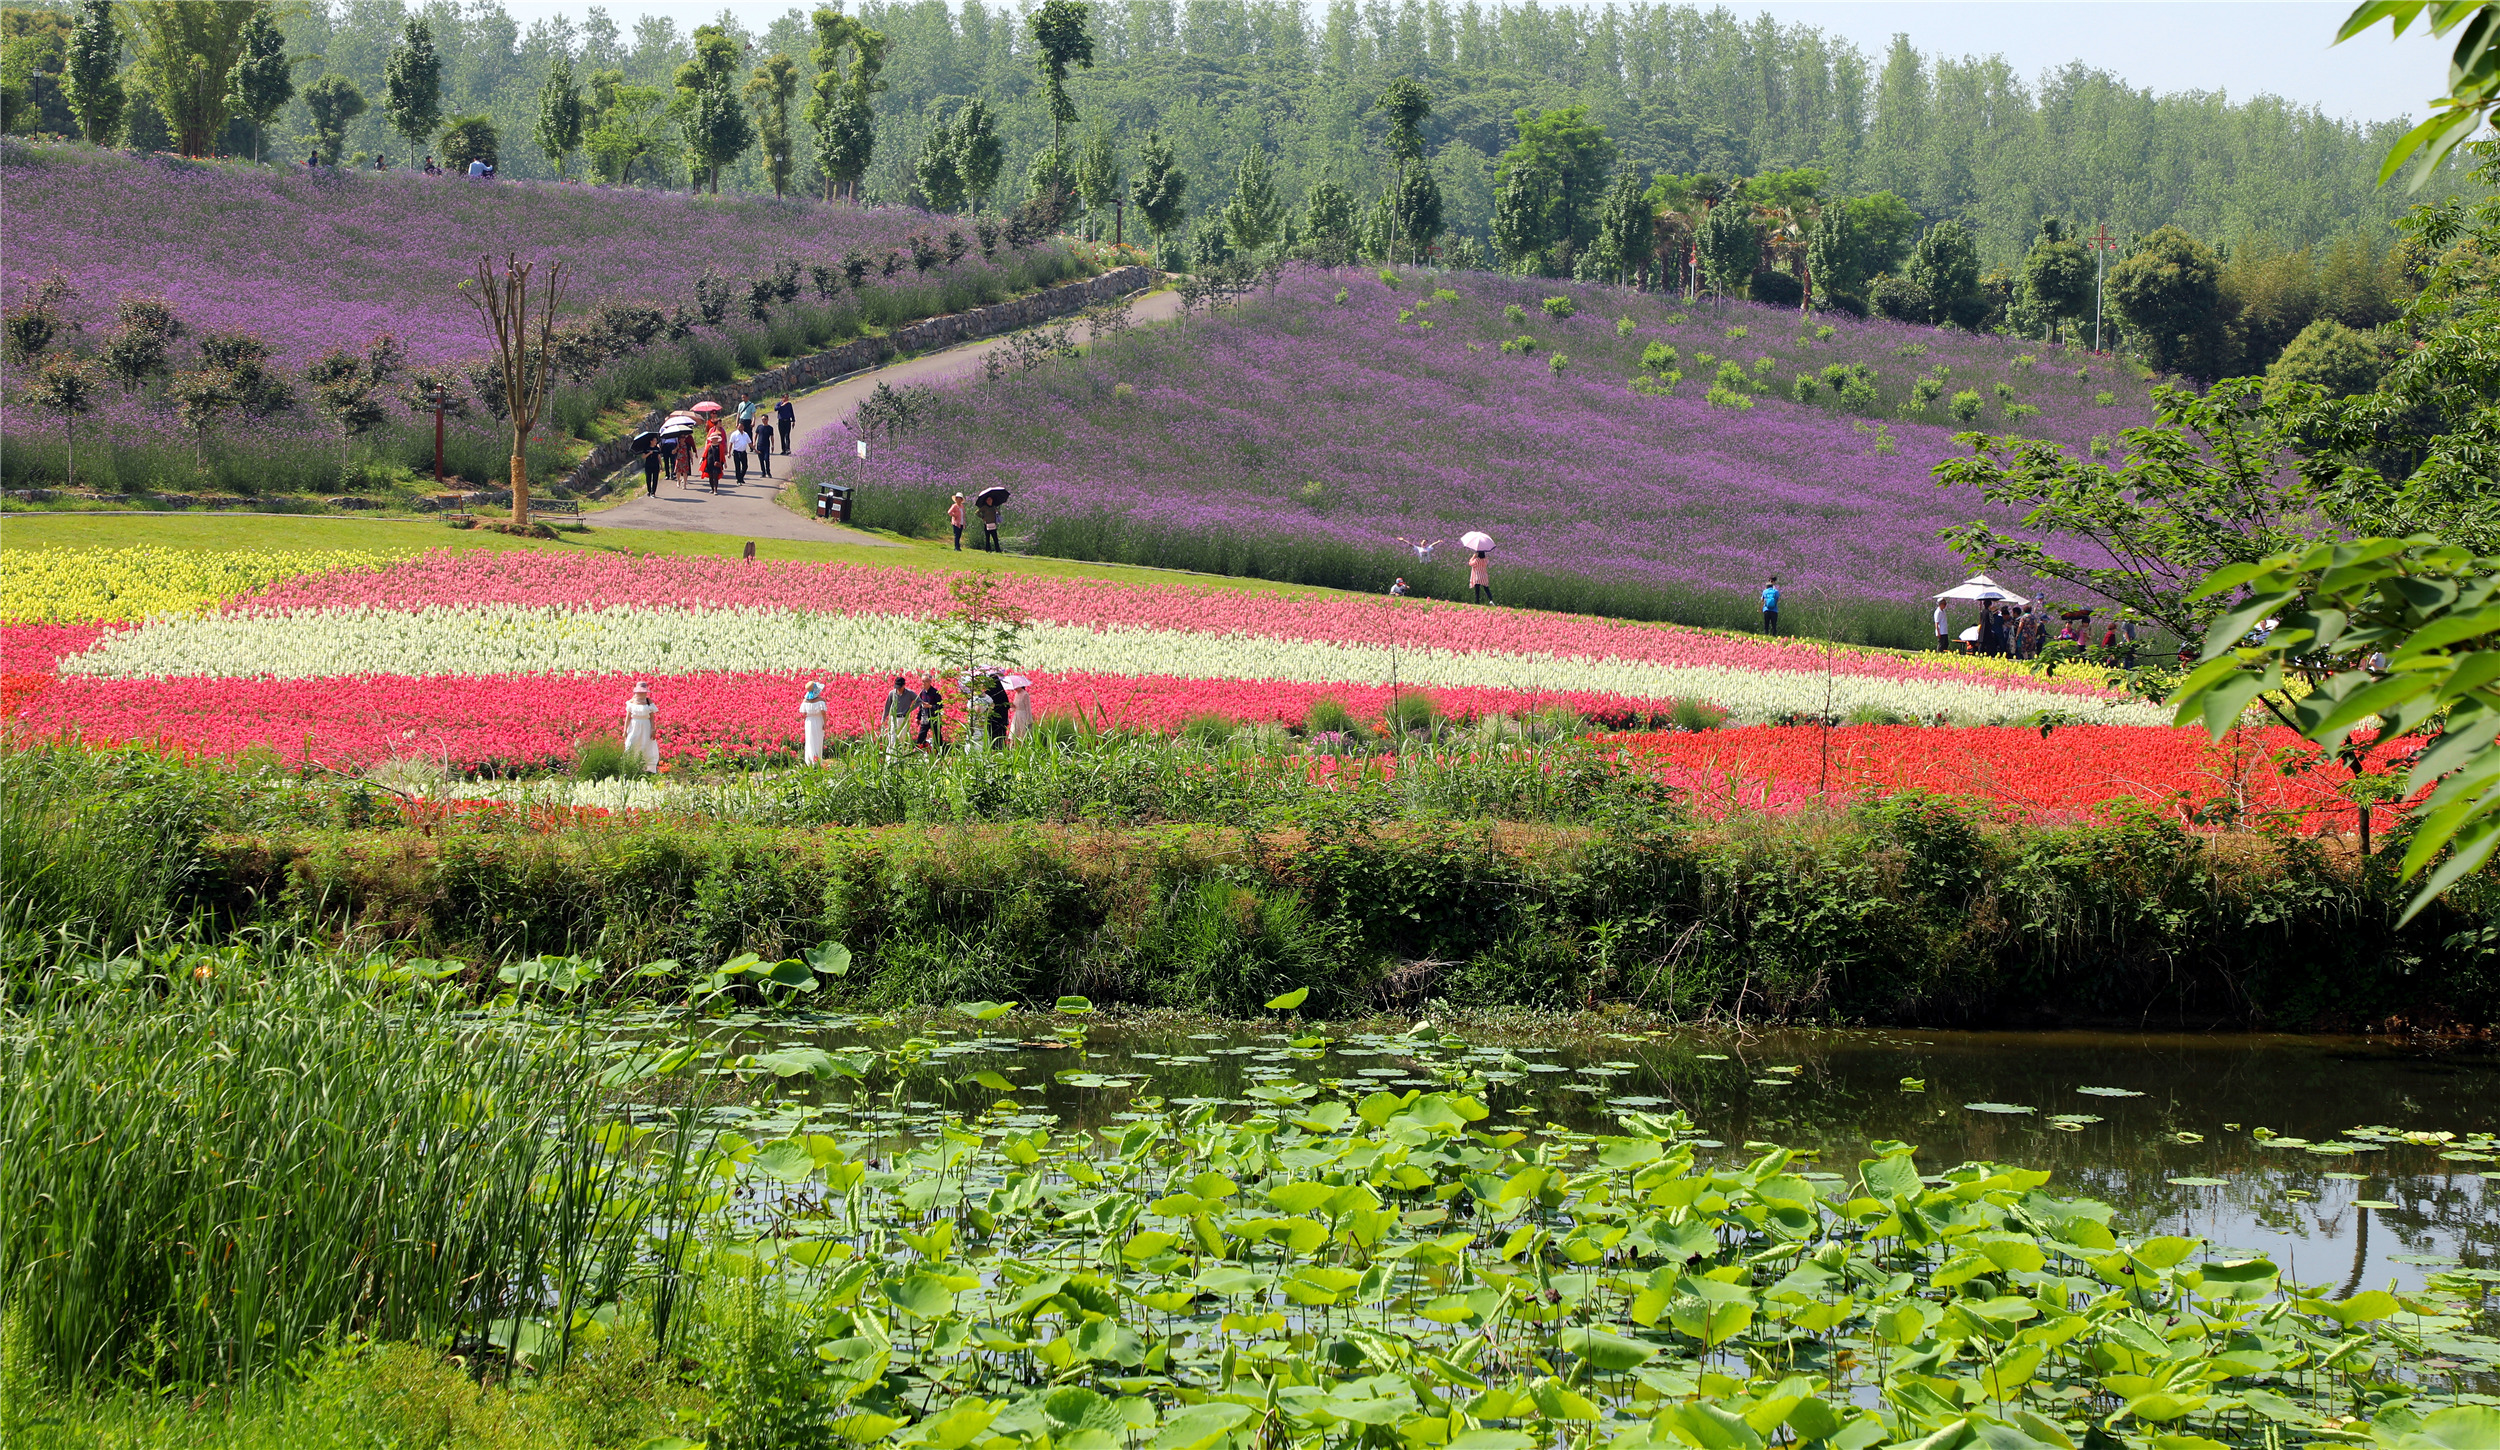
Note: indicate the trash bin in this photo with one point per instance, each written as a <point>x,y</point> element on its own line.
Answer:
<point>824,503</point>
<point>833,501</point>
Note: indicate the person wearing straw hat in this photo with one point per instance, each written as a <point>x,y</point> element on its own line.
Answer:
<point>642,727</point>
<point>812,721</point>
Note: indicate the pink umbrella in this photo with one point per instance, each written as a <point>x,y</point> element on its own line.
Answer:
<point>706,406</point>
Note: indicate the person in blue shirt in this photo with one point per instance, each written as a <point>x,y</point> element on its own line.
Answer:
<point>1771,606</point>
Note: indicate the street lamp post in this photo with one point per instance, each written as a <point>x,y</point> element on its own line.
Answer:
<point>2102,244</point>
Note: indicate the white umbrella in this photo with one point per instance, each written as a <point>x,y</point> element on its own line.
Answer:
<point>1980,586</point>
<point>1476,543</point>
<point>1017,682</point>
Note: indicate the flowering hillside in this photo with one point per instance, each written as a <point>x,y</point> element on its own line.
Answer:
<point>1342,412</point>
<point>311,260</point>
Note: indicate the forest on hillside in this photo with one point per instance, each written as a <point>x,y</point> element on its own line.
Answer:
<point>1676,89</point>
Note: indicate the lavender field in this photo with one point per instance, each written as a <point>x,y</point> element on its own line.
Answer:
<point>311,260</point>
<point>1301,434</point>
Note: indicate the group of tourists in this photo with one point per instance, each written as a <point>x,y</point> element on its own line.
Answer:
<point>723,450</point>
<point>998,713</point>
<point>2025,631</point>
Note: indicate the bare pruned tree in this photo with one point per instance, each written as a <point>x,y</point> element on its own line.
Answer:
<point>525,348</point>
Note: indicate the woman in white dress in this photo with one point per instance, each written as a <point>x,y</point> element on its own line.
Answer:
<point>976,721</point>
<point>812,718</point>
<point>1020,719</point>
<point>642,730</point>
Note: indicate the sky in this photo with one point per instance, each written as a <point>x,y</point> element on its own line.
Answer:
<point>2239,47</point>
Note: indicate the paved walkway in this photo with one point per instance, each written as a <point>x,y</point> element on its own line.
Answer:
<point>750,510</point>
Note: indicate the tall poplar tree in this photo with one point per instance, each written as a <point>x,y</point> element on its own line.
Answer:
<point>1060,41</point>
<point>412,86</point>
<point>263,80</point>
<point>560,113</point>
<point>91,75</point>
<point>768,92</point>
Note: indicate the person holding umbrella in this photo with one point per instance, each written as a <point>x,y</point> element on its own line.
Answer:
<point>986,503</point>
<point>1000,705</point>
<point>648,445</point>
<point>1479,547</point>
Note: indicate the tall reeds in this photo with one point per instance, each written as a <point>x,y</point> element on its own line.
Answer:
<point>205,1179</point>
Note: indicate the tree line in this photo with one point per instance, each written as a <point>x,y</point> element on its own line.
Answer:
<point>879,104</point>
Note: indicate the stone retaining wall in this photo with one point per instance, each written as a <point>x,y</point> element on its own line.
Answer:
<point>866,352</point>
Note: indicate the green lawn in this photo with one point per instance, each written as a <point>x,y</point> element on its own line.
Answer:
<point>410,536</point>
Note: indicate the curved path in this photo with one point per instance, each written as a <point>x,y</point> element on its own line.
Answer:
<point>749,509</point>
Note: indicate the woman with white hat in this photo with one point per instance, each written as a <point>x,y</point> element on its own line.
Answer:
<point>642,727</point>
<point>812,721</point>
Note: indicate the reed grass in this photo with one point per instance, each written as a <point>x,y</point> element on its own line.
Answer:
<point>208,1179</point>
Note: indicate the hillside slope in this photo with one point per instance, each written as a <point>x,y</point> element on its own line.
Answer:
<point>1301,434</point>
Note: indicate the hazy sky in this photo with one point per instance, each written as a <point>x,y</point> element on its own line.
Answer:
<point>2240,47</point>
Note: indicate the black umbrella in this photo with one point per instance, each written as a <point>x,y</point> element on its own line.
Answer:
<point>990,497</point>
<point>643,441</point>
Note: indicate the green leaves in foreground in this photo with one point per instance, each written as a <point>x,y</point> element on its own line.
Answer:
<point>2397,636</point>
<point>1351,1267</point>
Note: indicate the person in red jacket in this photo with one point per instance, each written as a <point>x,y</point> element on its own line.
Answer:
<point>715,457</point>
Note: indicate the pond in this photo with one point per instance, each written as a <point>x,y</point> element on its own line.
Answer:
<point>2341,1159</point>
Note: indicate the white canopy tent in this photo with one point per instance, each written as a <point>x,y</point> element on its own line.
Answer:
<point>1978,587</point>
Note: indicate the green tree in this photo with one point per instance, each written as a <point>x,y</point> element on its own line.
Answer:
<point>65,386</point>
<point>1407,105</point>
<point>1252,218</point>
<point>1328,224</point>
<point>2058,276</point>
<point>263,80</point>
<point>715,125</point>
<point>471,138</point>
<point>1946,264</point>
<point>560,113</point>
<point>848,57</point>
<point>1160,186</point>
<point>188,52</point>
<point>979,153</point>
<point>1521,208</point>
<point>350,388</point>
<point>941,183</point>
<point>628,124</point>
<point>1060,41</point>
<point>2169,294</point>
<point>1836,257</point>
<point>1888,227</point>
<point>1730,244</point>
<point>412,86</point>
<point>1099,178</point>
<point>91,76</point>
<point>2473,76</point>
<point>1624,225</point>
<point>1414,210</point>
<point>140,345</point>
<point>333,101</point>
<point>769,92</point>
<point>2335,359</point>
<point>1571,162</point>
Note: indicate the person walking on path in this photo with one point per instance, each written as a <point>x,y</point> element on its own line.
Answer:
<point>1020,721</point>
<point>714,450</point>
<point>786,413</point>
<point>1944,627</point>
<point>764,445</point>
<point>642,727</point>
<point>1771,605</point>
<point>1000,705</point>
<point>812,722</point>
<point>650,471</point>
<point>955,516</point>
<point>989,527</point>
<point>899,703</point>
<point>1480,577</point>
<point>746,411</point>
<point>741,443</point>
<point>932,715</point>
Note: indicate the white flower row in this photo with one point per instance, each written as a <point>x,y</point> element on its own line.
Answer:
<point>505,639</point>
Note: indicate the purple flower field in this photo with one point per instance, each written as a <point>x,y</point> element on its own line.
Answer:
<point>313,260</point>
<point>1398,411</point>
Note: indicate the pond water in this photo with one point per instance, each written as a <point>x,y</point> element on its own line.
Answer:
<point>2323,1154</point>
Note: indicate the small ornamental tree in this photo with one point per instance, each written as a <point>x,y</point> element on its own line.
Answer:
<point>350,387</point>
<point>1160,186</point>
<point>1060,41</point>
<point>471,138</point>
<point>144,332</point>
<point>66,386</point>
<point>333,101</point>
<point>524,327</point>
<point>978,632</point>
<point>768,92</point>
